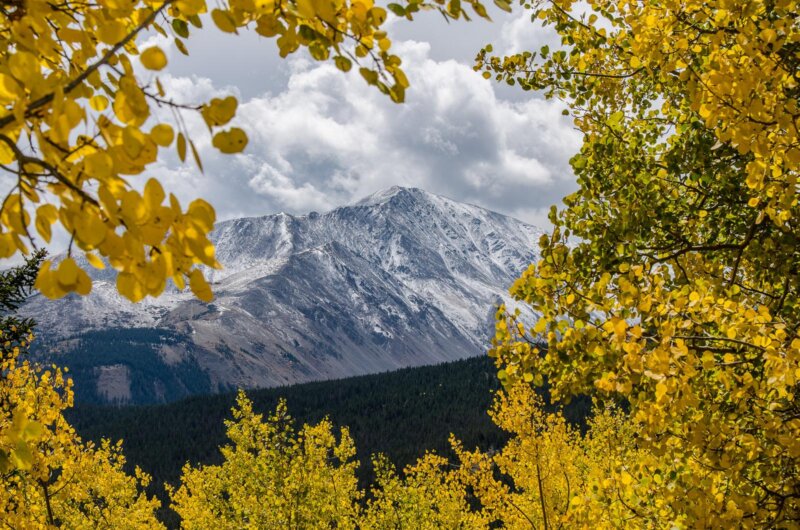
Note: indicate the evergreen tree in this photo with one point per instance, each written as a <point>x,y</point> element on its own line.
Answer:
<point>16,284</point>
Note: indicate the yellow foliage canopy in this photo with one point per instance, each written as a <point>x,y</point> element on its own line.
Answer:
<point>671,279</point>
<point>273,477</point>
<point>50,478</point>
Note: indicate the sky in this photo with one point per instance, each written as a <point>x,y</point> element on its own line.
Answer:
<point>320,138</point>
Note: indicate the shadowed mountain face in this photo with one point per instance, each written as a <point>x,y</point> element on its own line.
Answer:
<point>401,278</point>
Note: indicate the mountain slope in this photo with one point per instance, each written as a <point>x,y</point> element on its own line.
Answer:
<point>400,278</point>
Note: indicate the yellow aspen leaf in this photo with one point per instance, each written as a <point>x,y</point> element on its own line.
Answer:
<point>768,35</point>
<point>99,165</point>
<point>203,212</point>
<point>268,26</point>
<point>47,283</point>
<point>153,194</point>
<point>133,141</point>
<point>22,456</point>
<point>181,46</point>
<point>306,8</point>
<point>728,358</point>
<point>162,134</point>
<point>31,431</point>
<point>46,215</point>
<point>7,156</point>
<point>196,156</point>
<point>118,4</point>
<point>99,102</point>
<point>24,66</point>
<point>397,93</point>
<point>133,208</point>
<point>200,286</point>
<point>620,326</point>
<point>661,391</point>
<point>130,287</point>
<point>111,31</point>
<point>219,111</point>
<point>84,284</point>
<point>153,58</point>
<point>91,229</point>
<point>191,7</point>
<point>343,63</point>
<point>708,360</point>
<point>230,141</point>
<point>370,76</point>
<point>181,147</point>
<point>67,273</point>
<point>223,20</point>
<point>125,109</point>
<point>9,89</point>
<point>95,261</point>
<point>13,215</point>
<point>505,5</point>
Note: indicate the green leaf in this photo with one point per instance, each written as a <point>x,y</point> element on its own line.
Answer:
<point>196,156</point>
<point>504,5</point>
<point>182,147</point>
<point>615,119</point>
<point>343,63</point>
<point>397,9</point>
<point>195,21</point>
<point>181,28</point>
<point>370,76</point>
<point>224,21</point>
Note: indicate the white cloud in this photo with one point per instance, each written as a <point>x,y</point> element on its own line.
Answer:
<point>320,138</point>
<point>329,139</point>
<point>519,34</point>
<point>270,182</point>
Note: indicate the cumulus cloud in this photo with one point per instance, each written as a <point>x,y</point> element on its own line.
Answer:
<point>320,138</point>
<point>520,34</point>
<point>328,139</point>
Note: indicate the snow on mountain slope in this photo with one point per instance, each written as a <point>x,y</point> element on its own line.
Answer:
<point>400,278</point>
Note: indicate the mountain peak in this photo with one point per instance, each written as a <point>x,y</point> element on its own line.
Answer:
<point>401,278</point>
<point>388,194</point>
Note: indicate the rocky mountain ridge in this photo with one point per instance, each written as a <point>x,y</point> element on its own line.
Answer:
<point>400,278</point>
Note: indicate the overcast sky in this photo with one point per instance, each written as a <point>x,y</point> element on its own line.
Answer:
<point>320,138</point>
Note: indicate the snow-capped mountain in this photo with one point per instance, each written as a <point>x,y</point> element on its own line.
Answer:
<point>400,278</point>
